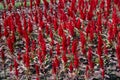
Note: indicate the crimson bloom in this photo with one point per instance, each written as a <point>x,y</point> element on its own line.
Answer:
<point>71,67</point>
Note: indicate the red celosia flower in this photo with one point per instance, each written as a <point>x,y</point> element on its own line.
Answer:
<point>51,34</point>
<point>60,4</point>
<point>45,13</point>
<point>81,4</point>
<point>73,3</point>
<point>15,63</point>
<point>102,4</point>
<point>65,25</point>
<point>51,10</point>
<point>68,41</point>
<point>118,54</point>
<point>78,24</point>
<point>56,62</point>
<point>31,3</point>
<point>115,30</point>
<point>52,42</point>
<point>106,14</point>
<point>11,24</point>
<point>37,69</point>
<point>88,28</point>
<point>91,34</point>
<point>13,2</point>
<point>55,24</point>
<point>118,38</point>
<point>41,24</point>
<point>0,31</point>
<point>101,63</point>
<point>76,61</point>
<point>19,56</point>
<point>25,23</point>
<point>100,41</point>
<point>10,68</point>
<point>90,14</point>
<point>2,54</point>
<point>74,46</point>
<point>24,58</point>
<point>17,18</point>
<point>53,67</point>
<point>64,58</point>
<point>51,52</point>
<point>16,66</point>
<point>10,44</point>
<point>27,41</point>
<point>116,1</point>
<point>91,64</point>
<point>47,29</point>
<point>33,45</point>
<point>9,7</point>
<point>71,14</point>
<point>86,71</point>
<point>99,51</point>
<point>64,44</point>
<point>27,60</point>
<point>8,2</point>
<point>25,3</point>
<point>83,51</point>
<point>99,28</point>
<point>69,51</point>
<point>35,17</point>
<point>43,47</point>
<point>4,15</point>
<point>13,38</point>
<point>89,55</point>
<point>30,28</point>
<point>46,4</point>
<point>5,23</point>
<point>110,32</point>
<point>71,29</point>
<point>82,14</point>
<point>16,72</point>
<point>60,31</point>
<point>63,16</point>
<point>58,49</point>
<point>103,73</point>
<point>40,58</point>
<point>71,67</point>
<point>52,1</point>
<point>20,28</point>
<point>6,34</point>
<point>37,78</point>
<point>38,2</point>
<point>82,39</point>
<point>40,37</point>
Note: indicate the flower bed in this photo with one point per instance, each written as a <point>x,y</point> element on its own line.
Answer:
<point>64,40</point>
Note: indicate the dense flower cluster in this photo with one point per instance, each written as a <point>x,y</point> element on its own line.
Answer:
<point>69,37</point>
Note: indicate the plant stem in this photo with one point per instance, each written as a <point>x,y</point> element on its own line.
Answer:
<point>4,71</point>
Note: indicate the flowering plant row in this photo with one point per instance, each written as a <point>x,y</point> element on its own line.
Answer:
<point>64,39</point>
